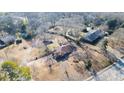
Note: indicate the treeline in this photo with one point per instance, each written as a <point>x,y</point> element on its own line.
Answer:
<point>37,23</point>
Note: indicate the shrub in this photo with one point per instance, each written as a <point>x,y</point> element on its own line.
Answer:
<point>110,31</point>
<point>112,23</point>
<point>122,25</point>
<point>8,65</point>
<point>25,73</point>
<point>11,71</point>
<point>88,64</point>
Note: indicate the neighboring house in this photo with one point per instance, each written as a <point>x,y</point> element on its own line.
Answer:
<point>93,36</point>
<point>63,52</point>
<point>6,40</point>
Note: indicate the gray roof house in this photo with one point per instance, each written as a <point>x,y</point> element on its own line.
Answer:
<point>6,40</point>
<point>93,36</point>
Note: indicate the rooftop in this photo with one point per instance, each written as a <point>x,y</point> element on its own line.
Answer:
<point>93,36</point>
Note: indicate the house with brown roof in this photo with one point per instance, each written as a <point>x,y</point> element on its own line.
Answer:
<point>63,52</point>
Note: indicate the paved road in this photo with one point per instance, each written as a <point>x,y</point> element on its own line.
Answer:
<point>114,72</point>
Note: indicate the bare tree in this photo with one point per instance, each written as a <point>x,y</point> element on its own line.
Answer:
<point>50,62</point>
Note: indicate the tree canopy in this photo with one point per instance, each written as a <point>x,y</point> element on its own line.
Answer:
<point>11,71</point>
